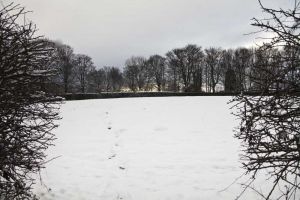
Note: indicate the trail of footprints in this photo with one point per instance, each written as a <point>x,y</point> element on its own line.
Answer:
<point>116,147</point>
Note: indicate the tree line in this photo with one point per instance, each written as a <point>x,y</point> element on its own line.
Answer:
<point>187,69</point>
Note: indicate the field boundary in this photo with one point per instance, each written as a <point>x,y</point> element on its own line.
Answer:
<point>78,96</point>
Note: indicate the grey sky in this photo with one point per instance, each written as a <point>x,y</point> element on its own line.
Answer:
<point>110,31</point>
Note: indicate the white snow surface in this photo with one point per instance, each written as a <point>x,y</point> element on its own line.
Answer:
<point>171,148</point>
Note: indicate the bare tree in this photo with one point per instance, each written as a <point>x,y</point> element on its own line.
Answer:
<point>157,66</point>
<point>241,62</point>
<point>135,73</point>
<point>213,68</point>
<point>228,77</point>
<point>194,71</point>
<point>116,77</point>
<point>130,72</point>
<point>107,79</point>
<point>173,63</point>
<point>27,112</point>
<point>270,122</point>
<point>83,66</point>
<point>96,80</point>
<point>187,63</point>
<point>65,65</point>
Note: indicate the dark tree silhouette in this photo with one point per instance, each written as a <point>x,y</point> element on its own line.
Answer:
<point>116,77</point>
<point>135,73</point>
<point>213,67</point>
<point>130,73</point>
<point>230,81</point>
<point>241,62</point>
<point>83,66</point>
<point>185,66</point>
<point>96,80</point>
<point>65,65</point>
<point>194,68</point>
<point>27,112</point>
<point>270,122</point>
<point>157,65</point>
<point>173,63</point>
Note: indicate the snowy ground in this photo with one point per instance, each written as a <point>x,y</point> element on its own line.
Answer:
<point>172,148</point>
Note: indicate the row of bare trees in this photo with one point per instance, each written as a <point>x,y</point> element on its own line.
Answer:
<point>191,69</point>
<point>187,69</point>
<point>76,73</point>
<point>71,69</point>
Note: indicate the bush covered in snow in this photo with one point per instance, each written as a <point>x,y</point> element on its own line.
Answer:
<point>27,112</point>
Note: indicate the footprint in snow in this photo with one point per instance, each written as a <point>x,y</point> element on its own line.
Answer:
<point>112,156</point>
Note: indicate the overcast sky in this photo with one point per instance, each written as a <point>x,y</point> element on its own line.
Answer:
<point>110,31</point>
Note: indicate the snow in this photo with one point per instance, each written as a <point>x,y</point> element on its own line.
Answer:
<point>173,148</point>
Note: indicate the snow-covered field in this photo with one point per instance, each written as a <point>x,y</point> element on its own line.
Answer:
<point>172,148</point>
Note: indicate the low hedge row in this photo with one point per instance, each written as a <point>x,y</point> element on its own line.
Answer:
<point>139,94</point>
<point>110,95</point>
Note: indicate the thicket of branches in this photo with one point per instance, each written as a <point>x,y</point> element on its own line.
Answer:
<point>270,123</point>
<point>28,113</point>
